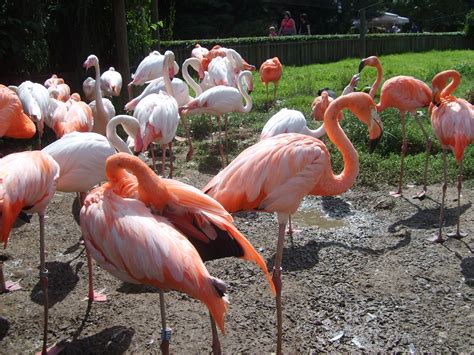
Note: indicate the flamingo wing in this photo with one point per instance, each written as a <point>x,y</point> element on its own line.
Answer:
<point>284,121</point>
<point>405,93</point>
<point>13,121</point>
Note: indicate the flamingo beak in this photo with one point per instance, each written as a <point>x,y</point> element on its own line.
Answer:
<point>373,143</point>
<point>361,65</point>
<point>86,65</point>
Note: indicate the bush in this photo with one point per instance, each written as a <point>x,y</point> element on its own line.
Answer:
<point>469,25</point>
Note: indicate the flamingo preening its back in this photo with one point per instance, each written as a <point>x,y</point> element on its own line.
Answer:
<point>271,71</point>
<point>14,123</point>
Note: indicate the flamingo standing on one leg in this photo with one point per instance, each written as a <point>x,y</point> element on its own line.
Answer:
<point>406,94</point>
<point>271,71</point>
<point>276,173</point>
<point>156,252</point>
<point>27,184</point>
<point>452,119</point>
<point>14,123</point>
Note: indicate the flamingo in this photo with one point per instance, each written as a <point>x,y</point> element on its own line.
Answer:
<point>27,184</point>
<point>111,82</point>
<point>270,72</point>
<point>151,67</point>
<point>14,123</point>
<point>102,109</point>
<point>57,88</point>
<point>276,173</point>
<point>406,94</point>
<point>156,252</point>
<point>222,99</point>
<point>73,116</point>
<point>35,100</point>
<point>199,53</point>
<point>88,87</point>
<point>452,119</point>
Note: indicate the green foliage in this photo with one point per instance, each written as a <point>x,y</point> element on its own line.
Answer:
<point>469,24</point>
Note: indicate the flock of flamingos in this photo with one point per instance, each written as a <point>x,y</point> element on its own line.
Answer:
<point>147,229</point>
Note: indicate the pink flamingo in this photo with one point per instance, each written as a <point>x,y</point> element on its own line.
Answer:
<point>276,173</point>
<point>73,116</point>
<point>184,210</point>
<point>57,88</point>
<point>452,119</point>
<point>111,82</point>
<point>271,71</point>
<point>406,94</point>
<point>220,100</point>
<point>14,123</point>
<point>27,184</point>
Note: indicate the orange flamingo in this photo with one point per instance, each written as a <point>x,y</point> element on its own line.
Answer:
<point>452,119</point>
<point>27,185</point>
<point>406,94</point>
<point>14,123</point>
<point>270,72</point>
<point>276,173</point>
<point>184,210</point>
<point>72,116</point>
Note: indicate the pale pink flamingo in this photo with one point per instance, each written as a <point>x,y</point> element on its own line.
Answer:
<point>271,71</point>
<point>156,252</point>
<point>27,184</point>
<point>88,87</point>
<point>220,100</point>
<point>57,88</point>
<point>151,67</point>
<point>406,94</point>
<point>73,116</point>
<point>276,173</point>
<point>35,100</point>
<point>111,82</point>
<point>14,123</point>
<point>102,109</point>
<point>452,119</point>
<point>199,53</point>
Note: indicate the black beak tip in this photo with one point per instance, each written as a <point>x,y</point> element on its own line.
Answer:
<point>373,143</point>
<point>361,65</point>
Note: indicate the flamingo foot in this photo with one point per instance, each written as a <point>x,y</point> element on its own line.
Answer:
<point>395,193</point>
<point>457,235</point>
<point>54,349</point>
<point>96,296</point>
<point>436,238</point>
<point>420,195</point>
<point>11,286</point>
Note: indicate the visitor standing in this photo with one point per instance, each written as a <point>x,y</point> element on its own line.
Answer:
<point>287,26</point>
<point>272,32</point>
<point>305,28</point>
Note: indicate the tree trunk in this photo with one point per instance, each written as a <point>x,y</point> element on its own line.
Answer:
<point>154,19</point>
<point>122,42</point>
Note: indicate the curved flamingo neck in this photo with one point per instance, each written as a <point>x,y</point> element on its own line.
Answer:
<point>452,86</point>
<point>316,133</point>
<point>100,121</point>
<point>151,189</point>
<point>244,93</point>
<point>378,80</point>
<point>337,184</point>
<point>168,61</point>
<point>124,120</point>
<point>190,81</point>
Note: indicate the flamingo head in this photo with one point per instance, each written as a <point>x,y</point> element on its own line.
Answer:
<point>91,61</point>
<point>371,61</point>
<point>375,129</point>
<point>355,79</point>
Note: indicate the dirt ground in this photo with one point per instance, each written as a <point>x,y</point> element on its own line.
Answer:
<point>360,276</point>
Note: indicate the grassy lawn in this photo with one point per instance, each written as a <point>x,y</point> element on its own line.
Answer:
<point>299,86</point>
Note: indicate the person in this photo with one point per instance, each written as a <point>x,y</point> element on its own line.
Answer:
<point>272,32</point>
<point>287,26</point>
<point>414,28</point>
<point>395,28</point>
<point>305,28</point>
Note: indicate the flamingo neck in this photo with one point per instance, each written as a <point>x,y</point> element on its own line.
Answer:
<point>244,93</point>
<point>100,121</point>
<point>316,133</point>
<point>377,81</point>
<point>190,81</point>
<point>337,184</point>
<point>452,86</point>
<point>166,75</point>
<point>124,120</point>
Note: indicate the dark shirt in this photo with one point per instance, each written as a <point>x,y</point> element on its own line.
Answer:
<point>304,29</point>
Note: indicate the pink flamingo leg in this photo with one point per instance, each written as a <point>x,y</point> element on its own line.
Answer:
<point>276,277</point>
<point>439,237</point>
<point>165,331</point>
<point>130,92</point>
<point>458,234</point>
<point>93,296</point>
<point>398,193</point>
<point>421,195</point>
<point>170,146</point>
<point>210,129</point>
<point>216,344</point>
<point>184,121</point>
<point>275,87</point>
<point>221,146</point>
<point>153,156</point>
<point>44,284</point>
<point>163,159</point>
<point>7,286</point>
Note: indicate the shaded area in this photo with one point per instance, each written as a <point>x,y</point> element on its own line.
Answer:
<point>113,340</point>
<point>136,289</point>
<point>426,218</point>
<point>62,279</point>
<point>4,327</point>
<point>467,269</point>
<point>335,207</point>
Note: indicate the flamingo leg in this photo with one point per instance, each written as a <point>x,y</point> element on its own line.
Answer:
<point>7,286</point>
<point>130,93</point>
<point>290,231</point>
<point>398,193</point>
<point>165,331</point>
<point>276,278</point>
<point>44,284</point>
<point>221,146</point>
<point>188,136</point>
<point>275,86</point>
<point>421,195</point>
<point>170,146</point>
<point>210,129</point>
<point>93,296</point>
<point>226,124</point>
<point>439,237</point>
<point>266,91</point>
<point>163,159</point>
<point>153,156</point>
<point>216,345</point>
<point>458,234</point>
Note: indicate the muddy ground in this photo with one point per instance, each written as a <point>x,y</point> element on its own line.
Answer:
<point>365,279</point>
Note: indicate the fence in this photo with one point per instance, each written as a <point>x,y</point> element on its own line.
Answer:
<point>300,50</point>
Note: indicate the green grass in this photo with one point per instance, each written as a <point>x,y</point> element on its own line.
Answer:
<point>299,86</point>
